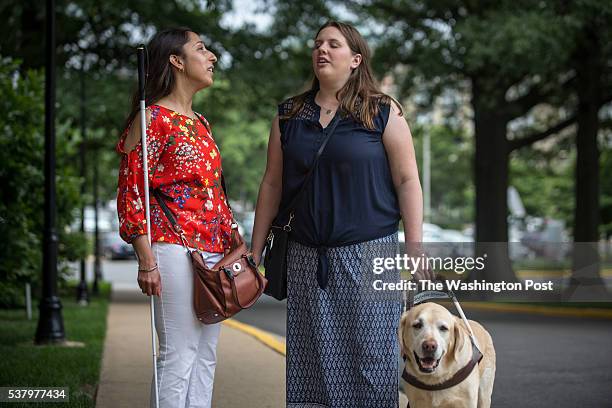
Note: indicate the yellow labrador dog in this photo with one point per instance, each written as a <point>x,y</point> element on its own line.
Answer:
<point>437,346</point>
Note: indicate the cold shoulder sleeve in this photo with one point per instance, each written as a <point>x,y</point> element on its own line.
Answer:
<point>130,190</point>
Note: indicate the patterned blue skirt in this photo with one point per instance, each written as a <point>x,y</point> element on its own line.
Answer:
<point>342,348</point>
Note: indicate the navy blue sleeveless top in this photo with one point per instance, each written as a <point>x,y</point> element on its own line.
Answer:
<point>351,197</point>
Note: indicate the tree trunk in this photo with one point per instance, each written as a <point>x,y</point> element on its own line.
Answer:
<point>585,270</point>
<point>586,212</point>
<point>491,179</point>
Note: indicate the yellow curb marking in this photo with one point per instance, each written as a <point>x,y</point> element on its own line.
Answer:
<point>542,310</point>
<point>535,273</point>
<point>263,336</point>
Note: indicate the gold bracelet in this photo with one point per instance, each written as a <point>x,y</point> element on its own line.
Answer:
<point>147,270</point>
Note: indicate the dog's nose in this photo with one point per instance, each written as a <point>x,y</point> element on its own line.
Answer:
<point>429,346</point>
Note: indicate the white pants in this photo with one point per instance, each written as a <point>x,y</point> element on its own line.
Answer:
<point>187,348</point>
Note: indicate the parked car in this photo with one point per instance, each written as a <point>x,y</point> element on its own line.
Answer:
<point>431,233</point>
<point>107,219</point>
<point>113,247</point>
<point>245,222</point>
<point>457,244</point>
<point>441,242</point>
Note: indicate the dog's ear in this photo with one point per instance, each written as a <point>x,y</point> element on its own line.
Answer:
<point>400,333</point>
<point>459,338</point>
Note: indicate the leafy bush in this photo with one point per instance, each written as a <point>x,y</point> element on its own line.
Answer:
<point>22,180</point>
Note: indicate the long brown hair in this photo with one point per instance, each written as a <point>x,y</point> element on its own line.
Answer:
<point>159,75</point>
<point>360,96</point>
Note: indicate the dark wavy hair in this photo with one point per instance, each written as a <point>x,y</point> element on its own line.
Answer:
<point>159,75</point>
<point>361,95</point>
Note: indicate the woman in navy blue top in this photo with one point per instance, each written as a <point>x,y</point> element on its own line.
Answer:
<point>342,348</point>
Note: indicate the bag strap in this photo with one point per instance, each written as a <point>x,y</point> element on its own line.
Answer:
<point>175,225</point>
<point>332,128</point>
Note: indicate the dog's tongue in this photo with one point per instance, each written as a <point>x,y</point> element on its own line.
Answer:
<point>427,362</point>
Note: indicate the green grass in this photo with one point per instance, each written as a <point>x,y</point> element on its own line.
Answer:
<point>24,364</point>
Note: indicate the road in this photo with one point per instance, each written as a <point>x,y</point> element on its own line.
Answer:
<point>542,361</point>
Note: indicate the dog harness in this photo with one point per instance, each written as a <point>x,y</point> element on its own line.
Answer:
<point>464,372</point>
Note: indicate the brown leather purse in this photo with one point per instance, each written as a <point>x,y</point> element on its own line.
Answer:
<point>232,284</point>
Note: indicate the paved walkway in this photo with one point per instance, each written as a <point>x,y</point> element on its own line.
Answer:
<point>249,373</point>
<point>250,362</point>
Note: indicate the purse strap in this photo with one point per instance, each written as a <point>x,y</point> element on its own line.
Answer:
<point>175,225</point>
<point>332,128</point>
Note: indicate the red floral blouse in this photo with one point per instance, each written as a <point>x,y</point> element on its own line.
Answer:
<point>185,165</point>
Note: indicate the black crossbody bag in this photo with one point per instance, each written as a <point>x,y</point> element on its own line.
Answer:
<point>275,259</point>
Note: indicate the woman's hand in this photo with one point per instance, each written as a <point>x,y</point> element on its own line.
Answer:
<point>150,282</point>
<point>424,273</point>
<point>257,258</point>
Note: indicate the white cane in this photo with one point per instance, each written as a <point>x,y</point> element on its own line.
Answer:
<point>143,141</point>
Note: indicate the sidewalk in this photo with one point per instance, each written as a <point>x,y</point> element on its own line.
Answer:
<point>248,374</point>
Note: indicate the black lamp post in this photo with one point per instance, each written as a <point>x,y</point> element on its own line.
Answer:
<point>50,321</point>
<point>97,265</point>
<point>82,293</point>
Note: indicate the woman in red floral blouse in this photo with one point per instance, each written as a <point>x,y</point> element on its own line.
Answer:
<point>185,166</point>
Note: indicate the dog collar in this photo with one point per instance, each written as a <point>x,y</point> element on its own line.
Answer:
<point>459,376</point>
